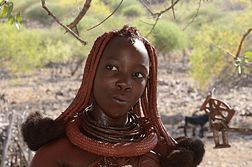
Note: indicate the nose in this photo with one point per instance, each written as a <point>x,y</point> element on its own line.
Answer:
<point>124,83</point>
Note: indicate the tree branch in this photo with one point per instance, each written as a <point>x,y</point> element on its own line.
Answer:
<point>194,17</point>
<point>158,15</point>
<point>3,3</point>
<point>107,16</point>
<point>173,10</point>
<point>146,7</point>
<point>153,26</point>
<point>82,13</point>
<point>170,7</point>
<point>241,43</point>
<point>65,27</point>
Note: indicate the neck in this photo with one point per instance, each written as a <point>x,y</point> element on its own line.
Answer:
<point>97,115</point>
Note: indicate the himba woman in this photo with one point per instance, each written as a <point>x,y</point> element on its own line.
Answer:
<point>113,120</point>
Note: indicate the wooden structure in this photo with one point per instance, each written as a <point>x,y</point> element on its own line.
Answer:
<point>220,114</point>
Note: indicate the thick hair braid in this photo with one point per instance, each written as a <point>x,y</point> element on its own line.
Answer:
<point>82,98</point>
<point>152,98</point>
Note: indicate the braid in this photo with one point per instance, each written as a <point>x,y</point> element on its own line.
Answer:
<point>152,97</point>
<point>82,98</point>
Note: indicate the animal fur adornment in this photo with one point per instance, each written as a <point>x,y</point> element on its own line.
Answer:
<point>38,131</point>
<point>188,152</point>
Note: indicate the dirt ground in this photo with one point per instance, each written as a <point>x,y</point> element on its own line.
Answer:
<point>51,90</point>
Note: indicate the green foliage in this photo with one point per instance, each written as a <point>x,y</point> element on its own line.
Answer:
<point>168,37</point>
<point>90,36</point>
<point>126,4</point>
<point>6,12</point>
<point>28,49</point>
<point>99,8</point>
<point>132,11</point>
<point>209,56</point>
<point>248,57</point>
<point>36,13</point>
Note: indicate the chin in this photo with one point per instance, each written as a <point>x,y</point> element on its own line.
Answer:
<point>116,113</point>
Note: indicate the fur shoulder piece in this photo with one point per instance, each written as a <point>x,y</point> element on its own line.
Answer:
<point>188,152</point>
<point>38,131</point>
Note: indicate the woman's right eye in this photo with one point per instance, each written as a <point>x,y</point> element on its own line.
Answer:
<point>111,67</point>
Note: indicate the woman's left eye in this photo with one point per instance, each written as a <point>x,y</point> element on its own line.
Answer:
<point>138,75</point>
<point>111,67</point>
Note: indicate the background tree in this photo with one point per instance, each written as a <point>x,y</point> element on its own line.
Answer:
<point>214,40</point>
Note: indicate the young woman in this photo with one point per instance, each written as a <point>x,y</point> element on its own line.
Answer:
<point>113,120</point>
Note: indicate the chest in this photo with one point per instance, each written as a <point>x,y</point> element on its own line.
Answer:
<point>97,161</point>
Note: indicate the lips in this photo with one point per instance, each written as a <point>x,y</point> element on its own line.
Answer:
<point>120,99</point>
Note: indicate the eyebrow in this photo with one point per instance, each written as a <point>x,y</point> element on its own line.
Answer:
<point>144,67</point>
<point>110,58</point>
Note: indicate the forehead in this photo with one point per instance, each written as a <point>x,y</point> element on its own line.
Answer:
<point>117,46</point>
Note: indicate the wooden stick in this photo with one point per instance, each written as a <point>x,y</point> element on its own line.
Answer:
<point>80,15</point>
<point>64,26</point>
<point>241,130</point>
<point>241,42</point>
<point>8,140</point>
<point>107,16</point>
<point>158,15</point>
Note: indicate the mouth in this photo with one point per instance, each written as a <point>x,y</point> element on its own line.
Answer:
<point>119,100</point>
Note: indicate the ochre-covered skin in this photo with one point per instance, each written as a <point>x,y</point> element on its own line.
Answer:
<point>62,153</point>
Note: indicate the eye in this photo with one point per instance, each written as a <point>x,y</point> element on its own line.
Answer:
<point>138,75</point>
<point>111,67</point>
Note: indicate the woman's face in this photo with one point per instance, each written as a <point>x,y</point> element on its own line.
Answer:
<point>121,77</point>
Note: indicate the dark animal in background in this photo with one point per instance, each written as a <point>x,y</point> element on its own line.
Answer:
<point>196,120</point>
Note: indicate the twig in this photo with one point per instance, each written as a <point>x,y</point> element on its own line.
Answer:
<point>241,42</point>
<point>78,64</point>
<point>65,27</point>
<point>167,9</point>
<point>154,25</point>
<point>247,131</point>
<point>145,22</point>
<point>224,50</point>
<point>7,142</point>
<point>158,15</point>
<point>80,15</point>
<point>3,3</point>
<point>146,7</point>
<point>173,11</point>
<point>107,16</point>
<point>194,17</point>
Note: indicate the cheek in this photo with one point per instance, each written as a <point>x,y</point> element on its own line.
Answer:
<point>140,88</point>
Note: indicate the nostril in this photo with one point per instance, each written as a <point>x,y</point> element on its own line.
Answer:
<point>118,86</point>
<point>123,86</point>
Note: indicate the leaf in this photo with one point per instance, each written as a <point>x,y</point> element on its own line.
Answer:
<point>239,69</point>
<point>3,2</point>
<point>10,8</point>
<point>17,25</point>
<point>19,18</point>
<point>11,20</point>
<point>4,11</point>
<point>238,62</point>
<point>248,57</point>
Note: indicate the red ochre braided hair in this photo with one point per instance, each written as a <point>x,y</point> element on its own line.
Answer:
<point>145,107</point>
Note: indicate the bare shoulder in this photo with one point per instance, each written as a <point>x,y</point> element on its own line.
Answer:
<point>62,153</point>
<point>150,160</point>
<point>51,153</point>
